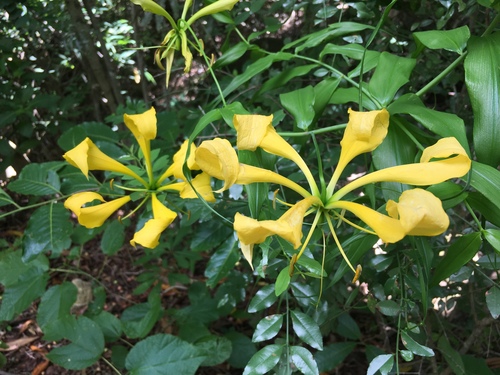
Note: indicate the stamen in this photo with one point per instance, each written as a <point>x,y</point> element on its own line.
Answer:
<point>309,235</point>
<point>341,217</point>
<point>330,225</point>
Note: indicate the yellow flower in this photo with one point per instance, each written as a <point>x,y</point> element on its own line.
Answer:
<point>93,216</point>
<point>176,39</point>
<point>417,213</point>
<point>149,235</point>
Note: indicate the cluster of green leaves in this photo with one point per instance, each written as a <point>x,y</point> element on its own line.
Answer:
<point>312,321</point>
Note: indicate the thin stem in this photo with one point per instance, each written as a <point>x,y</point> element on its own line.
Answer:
<point>344,255</point>
<point>316,131</point>
<point>320,168</point>
<point>111,365</point>
<point>492,25</point>
<point>309,235</point>
<point>441,75</point>
<point>408,133</point>
<point>474,217</point>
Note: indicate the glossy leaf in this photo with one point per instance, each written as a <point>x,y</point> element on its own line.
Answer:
<point>493,301</point>
<point>389,308</point>
<point>138,320</point>
<point>87,345</point>
<point>382,363</point>
<point>49,229</point>
<point>163,354</point>
<point>264,360</point>
<point>231,55</point>
<point>391,74</point>
<point>459,253</point>
<point>303,360</point>
<point>222,261</point>
<point>482,78</point>
<point>307,329</point>
<point>486,180</point>
<point>113,237</point>
<point>283,77</point>
<point>300,104</point>
<point>38,179</point>
<point>282,281</point>
<point>264,298</point>
<point>493,237</point>
<point>415,347</point>
<point>452,40</point>
<point>268,328</point>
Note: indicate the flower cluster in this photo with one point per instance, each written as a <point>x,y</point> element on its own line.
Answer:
<point>418,212</point>
<point>86,156</point>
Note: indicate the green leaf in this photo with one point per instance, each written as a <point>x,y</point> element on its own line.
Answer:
<point>163,355</point>
<point>38,179</point>
<point>12,267</point>
<point>451,356</point>
<point>486,180</point>
<point>49,229</point>
<point>222,261</point>
<point>333,355</point>
<point>151,6</point>
<point>87,345</point>
<point>54,307</point>
<point>452,40</point>
<point>243,349</point>
<point>300,104</point>
<point>307,329</point>
<point>264,360</point>
<point>493,237</point>
<point>414,346</point>
<point>18,297</point>
<point>113,237</point>
<point>215,349</point>
<point>459,253</point>
<point>5,198</point>
<point>482,78</point>
<point>264,298</point>
<point>493,301</point>
<point>282,281</point>
<point>348,327</point>
<point>267,328</point>
<point>139,319</point>
<point>110,325</point>
<point>441,123</point>
<point>486,207</point>
<point>388,308</point>
<point>97,131</point>
<point>391,74</point>
<point>231,55</point>
<point>382,363</point>
<point>284,77</point>
<point>303,360</point>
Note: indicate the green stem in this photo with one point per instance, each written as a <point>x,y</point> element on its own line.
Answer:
<point>408,133</point>
<point>492,25</point>
<point>441,75</point>
<point>317,131</point>
<point>32,206</point>
<point>474,217</point>
<point>111,365</point>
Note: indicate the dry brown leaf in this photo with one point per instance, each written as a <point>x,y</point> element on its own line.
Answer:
<point>40,368</point>
<point>16,344</point>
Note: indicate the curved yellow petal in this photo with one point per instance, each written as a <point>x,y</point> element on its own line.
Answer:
<point>387,228</point>
<point>93,216</point>
<point>216,7</point>
<point>427,172</point>
<point>149,235</point>
<point>288,226</point>
<point>257,131</point>
<point>202,185</point>
<point>87,157</point>
<point>420,213</point>
<point>143,127</point>
<point>218,158</point>
<point>179,157</point>
<point>365,131</point>
<point>186,52</point>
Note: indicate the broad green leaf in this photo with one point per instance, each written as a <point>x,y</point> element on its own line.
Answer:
<point>222,261</point>
<point>163,355</point>
<point>486,180</point>
<point>493,237</point>
<point>243,349</point>
<point>257,193</point>
<point>323,92</point>
<point>354,51</point>
<point>210,235</point>
<point>87,345</point>
<point>12,267</point>
<point>267,328</point>
<point>264,298</point>
<point>486,207</point>
<point>333,355</point>
<point>49,229</point>
<point>303,360</point>
<point>300,104</point>
<point>307,329</point>
<point>348,327</point>
<point>407,355</point>
<point>215,349</point>
<point>18,297</point>
<point>450,193</point>
<point>110,325</point>
<point>382,363</point>
<point>459,253</point>
<point>351,95</point>
<point>283,77</point>
<point>441,123</point>
<point>113,237</point>
<point>495,4</point>
<point>54,307</point>
<point>118,356</point>
<point>474,365</point>
<point>482,78</point>
<point>388,307</point>
<point>415,347</point>
<point>282,281</point>
<point>3,360</point>
<point>452,40</point>
<point>96,131</point>
<point>493,301</point>
<point>312,265</point>
<point>451,356</point>
<point>231,55</point>
<point>264,360</point>
<point>138,320</point>
<point>5,198</point>
<point>253,69</point>
<point>38,179</point>
<point>391,74</point>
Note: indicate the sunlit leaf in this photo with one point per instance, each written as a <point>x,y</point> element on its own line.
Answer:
<point>264,360</point>
<point>307,329</point>
<point>303,360</point>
